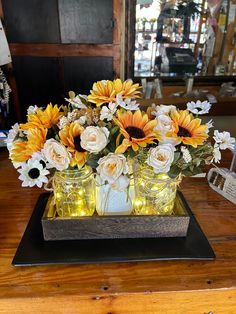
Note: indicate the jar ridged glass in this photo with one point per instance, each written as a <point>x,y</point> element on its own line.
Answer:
<point>154,193</point>
<point>74,192</point>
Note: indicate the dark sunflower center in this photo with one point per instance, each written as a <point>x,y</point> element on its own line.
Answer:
<point>183,132</point>
<point>78,145</point>
<point>135,132</point>
<point>42,163</point>
<point>34,173</point>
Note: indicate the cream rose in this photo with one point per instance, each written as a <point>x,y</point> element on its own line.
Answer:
<point>94,139</point>
<point>161,157</point>
<point>164,124</point>
<point>56,154</point>
<point>111,167</point>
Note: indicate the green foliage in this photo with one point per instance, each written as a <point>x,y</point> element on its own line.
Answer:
<point>200,156</point>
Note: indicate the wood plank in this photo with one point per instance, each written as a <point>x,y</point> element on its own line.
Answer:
<point>62,50</point>
<point>220,302</point>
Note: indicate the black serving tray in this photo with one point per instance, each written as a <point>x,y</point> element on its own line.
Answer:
<point>33,250</point>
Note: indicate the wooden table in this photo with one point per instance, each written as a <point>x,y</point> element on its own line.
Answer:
<point>141,287</point>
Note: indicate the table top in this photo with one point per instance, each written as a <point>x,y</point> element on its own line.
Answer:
<point>137,287</point>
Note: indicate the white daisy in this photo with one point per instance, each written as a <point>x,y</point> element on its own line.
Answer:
<point>12,135</point>
<point>41,159</point>
<point>127,104</point>
<point>76,101</point>
<point>224,140</point>
<point>108,112</point>
<point>199,107</point>
<point>32,173</point>
<point>32,109</point>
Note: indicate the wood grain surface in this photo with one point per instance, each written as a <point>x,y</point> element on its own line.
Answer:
<point>172,287</point>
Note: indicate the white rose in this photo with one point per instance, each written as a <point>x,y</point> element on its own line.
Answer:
<point>56,154</point>
<point>163,109</point>
<point>164,123</point>
<point>94,139</point>
<point>161,157</point>
<point>111,167</point>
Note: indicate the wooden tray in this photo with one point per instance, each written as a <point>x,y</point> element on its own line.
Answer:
<point>34,250</point>
<point>112,227</point>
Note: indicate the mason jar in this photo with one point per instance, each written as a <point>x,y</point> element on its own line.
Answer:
<point>74,192</point>
<point>154,193</point>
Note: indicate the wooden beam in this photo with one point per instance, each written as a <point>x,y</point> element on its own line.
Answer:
<point>64,50</point>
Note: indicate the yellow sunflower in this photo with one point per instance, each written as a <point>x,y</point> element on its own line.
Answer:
<point>43,118</point>
<point>187,129</point>
<point>137,130</point>
<point>70,137</point>
<point>106,91</point>
<point>23,150</point>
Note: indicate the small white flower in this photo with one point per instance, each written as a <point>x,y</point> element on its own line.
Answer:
<point>121,183</point>
<point>32,173</point>
<point>76,100</point>
<point>216,155</point>
<point>56,154</point>
<point>127,103</point>
<point>82,120</point>
<point>186,154</point>
<point>32,109</point>
<point>161,157</point>
<point>224,140</point>
<point>200,107</point>
<point>111,167</point>
<point>63,122</point>
<point>38,156</point>
<point>94,139</point>
<point>163,110</point>
<point>108,112</point>
<point>12,135</point>
<point>73,115</point>
<point>210,125</point>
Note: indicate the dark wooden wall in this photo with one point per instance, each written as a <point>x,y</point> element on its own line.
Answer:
<point>61,45</point>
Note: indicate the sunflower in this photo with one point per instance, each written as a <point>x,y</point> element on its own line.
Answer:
<point>43,118</point>
<point>137,130</point>
<point>23,150</point>
<point>106,91</point>
<point>70,137</point>
<point>187,129</point>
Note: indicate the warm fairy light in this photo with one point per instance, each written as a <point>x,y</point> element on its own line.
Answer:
<point>58,195</point>
<point>81,192</point>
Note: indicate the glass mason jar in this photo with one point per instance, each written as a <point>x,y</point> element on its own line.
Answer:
<point>110,201</point>
<point>74,192</point>
<point>154,193</point>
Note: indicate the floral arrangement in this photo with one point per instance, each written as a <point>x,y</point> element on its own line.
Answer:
<point>106,129</point>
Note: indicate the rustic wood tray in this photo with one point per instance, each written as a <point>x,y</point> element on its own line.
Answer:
<point>34,250</point>
<point>112,227</point>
